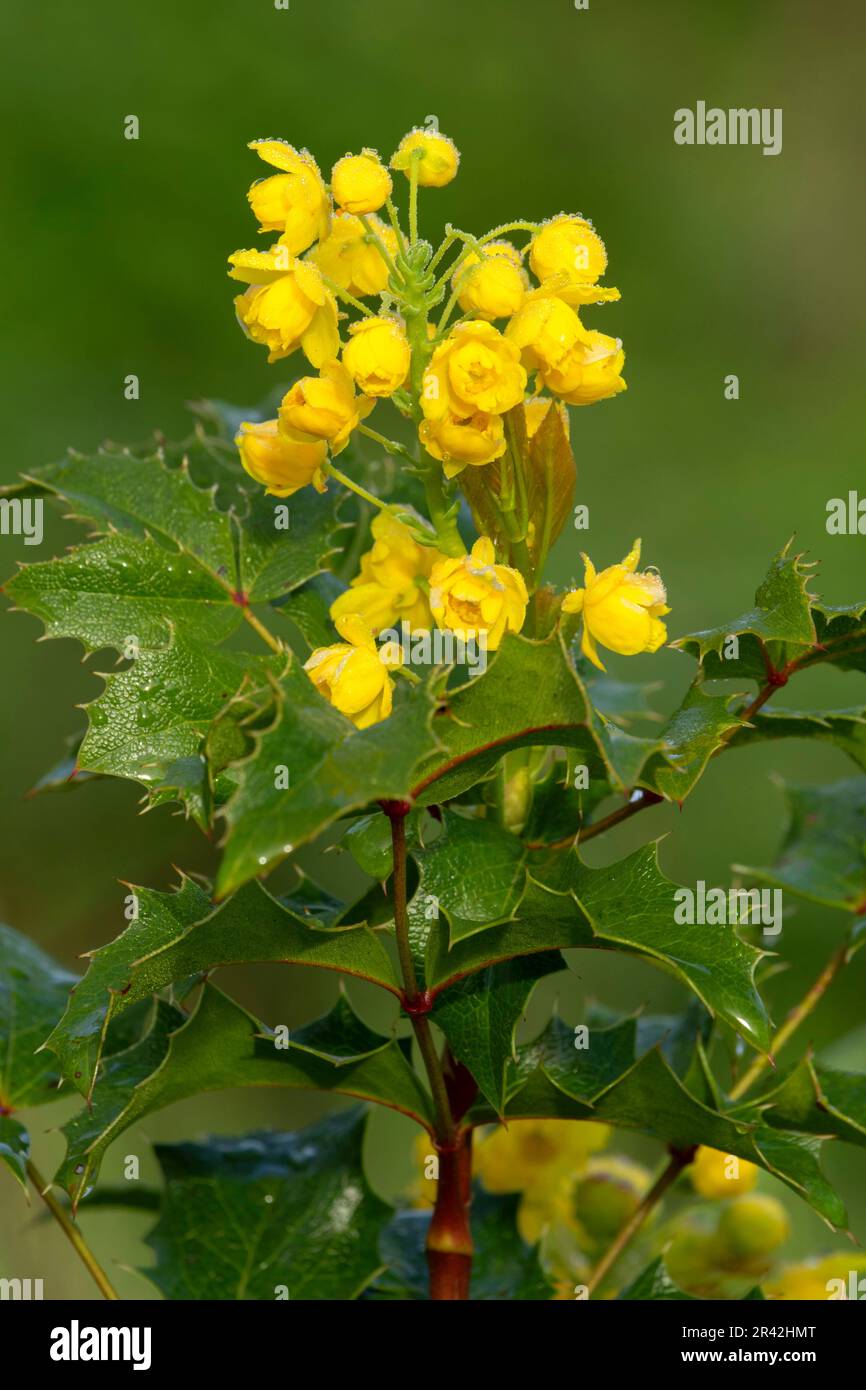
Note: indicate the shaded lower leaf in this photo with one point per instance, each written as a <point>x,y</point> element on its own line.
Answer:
<point>268,1216</point>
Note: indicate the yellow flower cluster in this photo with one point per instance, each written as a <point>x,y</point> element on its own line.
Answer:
<point>333,246</point>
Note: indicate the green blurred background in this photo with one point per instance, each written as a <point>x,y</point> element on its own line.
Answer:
<point>728,261</point>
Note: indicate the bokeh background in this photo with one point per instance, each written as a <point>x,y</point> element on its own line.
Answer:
<point>729,262</point>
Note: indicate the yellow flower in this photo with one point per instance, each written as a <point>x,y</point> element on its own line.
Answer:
<point>476,440</point>
<point>377,355</point>
<point>360,183</point>
<point>437,162</point>
<point>350,260</point>
<point>590,372</point>
<point>492,286</point>
<point>569,246</point>
<point>287,305</point>
<point>533,1155</point>
<point>474,369</point>
<point>536,411</point>
<point>283,463</point>
<point>709,1173</point>
<point>387,589</point>
<point>473,595</point>
<point>294,202</point>
<point>353,674</point>
<point>544,331</point>
<point>325,406</point>
<point>621,608</point>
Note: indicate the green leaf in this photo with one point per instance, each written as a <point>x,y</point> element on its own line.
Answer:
<point>504,1268</point>
<point>333,769</point>
<point>779,627</point>
<point>479,1016</point>
<point>14,1148</point>
<point>624,1079</point>
<point>845,729</point>
<point>689,739</point>
<point>33,991</point>
<point>268,1216</point>
<point>823,854</point>
<point>819,1100</point>
<point>473,875</point>
<point>178,935</point>
<point>221,1046</point>
<point>104,993</point>
<point>160,709</point>
<point>530,696</point>
<point>841,635</point>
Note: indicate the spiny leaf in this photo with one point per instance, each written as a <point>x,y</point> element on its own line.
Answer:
<point>218,1047</point>
<point>33,991</point>
<point>618,1080</point>
<point>480,1013</point>
<point>823,854</point>
<point>268,1216</point>
<point>779,626</point>
<point>180,935</point>
<point>845,729</point>
<point>333,768</point>
<point>819,1100</point>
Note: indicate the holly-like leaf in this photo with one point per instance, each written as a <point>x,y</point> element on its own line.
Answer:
<point>268,1216</point>
<point>689,739</point>
<point>819,1100</point>
<point>221,1046</point>
<point>333,768</point>
<point>14,1148</point>
<point>823,854</point>
<point>504,1268</point>
<point>530,696</point>
<point>622,1078</point>
<point>779,627</point>
<point>180,935</point>
<point>844,729</point>
<point>553,901</point>
<point>841,636</point>
<point>479,1016</point>
<point>33,992</point>
<point>104,993</point>
<point>309,609</point>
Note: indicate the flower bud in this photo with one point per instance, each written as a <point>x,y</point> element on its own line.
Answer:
<point>437,157</point>
<point>474,370</point>
<point>325,407</point>
<point>283,463</point>
<point>753,1226</point>
<point>492,286</point>
<point>715,1174</point>
<point>568,245</point>
<point>360,183</point>
<point>589,372</point>
<point>377,356</point>
<point>476,440</point>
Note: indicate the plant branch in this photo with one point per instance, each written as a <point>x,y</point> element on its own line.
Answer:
<point>680,1159</point>
<point>71,1231</point>
<point>671,1172</point>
